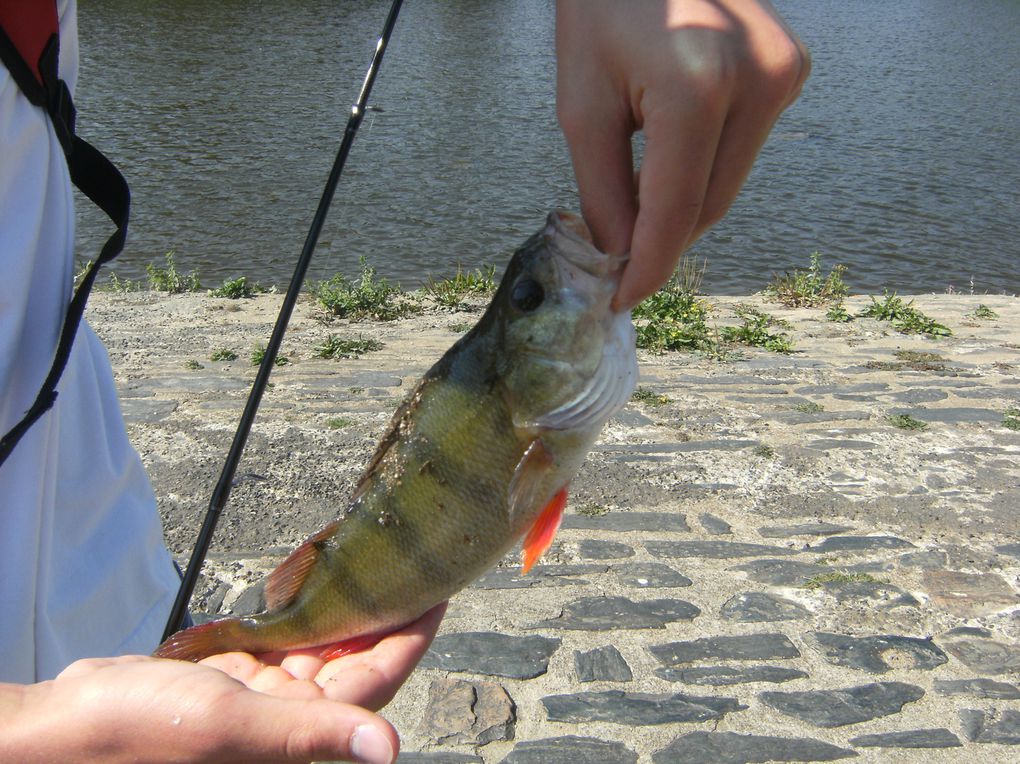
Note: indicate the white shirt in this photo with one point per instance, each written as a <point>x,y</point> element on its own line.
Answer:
<point>83,567</point>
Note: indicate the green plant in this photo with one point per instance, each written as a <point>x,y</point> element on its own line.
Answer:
<point>239,288</point>
<point>591,509</point>
<point>839,577</point>
<point>192,364</point>
<point>674,318</point>
<point>223,354</point>
<point>838,314</point>
<point>338,347</point>
<point>765,451</point>
<point>918,356</point>
<point>169,279</point>
<point>983,311</point>
<point>906,422</point>
<point>117,284</point>
<point>1011,419</point>
<point>754,331</point>
<point>259,353</point>
<point>451,292</point>
<point>809,288</point>
<point>369,297</point>
<point>460,327</point>
<point>904,316</point>
<point>649,398</point>
<point>339,422</point>
<point>809,407</point>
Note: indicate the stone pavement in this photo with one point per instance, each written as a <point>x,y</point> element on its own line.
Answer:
<point>757,563</point>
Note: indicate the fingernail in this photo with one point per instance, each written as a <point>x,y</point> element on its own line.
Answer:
<point>371,746</point>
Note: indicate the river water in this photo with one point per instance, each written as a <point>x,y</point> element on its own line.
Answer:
<point>900,159</point>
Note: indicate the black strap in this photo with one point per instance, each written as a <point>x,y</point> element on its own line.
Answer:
<point>97,178</point>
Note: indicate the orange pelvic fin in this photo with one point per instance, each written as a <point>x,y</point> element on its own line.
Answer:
<point>286,581</point>
<point>352,645</point>
<point>544,530</point>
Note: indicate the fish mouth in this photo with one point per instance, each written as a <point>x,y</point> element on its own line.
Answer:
<point>567,235</point>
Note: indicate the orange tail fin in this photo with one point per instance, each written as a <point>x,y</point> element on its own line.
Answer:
<point>541,535</point>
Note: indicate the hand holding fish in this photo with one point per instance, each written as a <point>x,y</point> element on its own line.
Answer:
<point>705,80</point>
<point>287,706</point>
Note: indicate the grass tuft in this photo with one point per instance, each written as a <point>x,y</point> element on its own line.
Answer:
<point>169,279</point>
<point>368,297</point>
<point>839,577</point>
<point>649,398</point>
<point>450,293</point>
<point>983,311</point>
<point>906,422</point>
<point>259,353</point>
<point>807,289</point>
<point>674,317</point>
<point>1011,419</point>
<point>238,289</point>
<point>754,331</point>
<point>223,354</point>
<point>904,316</point>
<point>338,347</point>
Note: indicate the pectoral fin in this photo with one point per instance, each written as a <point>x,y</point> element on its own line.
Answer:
<point>526,484</point>
<point>544,530</point>
<point>286,581</point>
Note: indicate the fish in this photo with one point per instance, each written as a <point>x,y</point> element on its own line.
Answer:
<point>478,457</point>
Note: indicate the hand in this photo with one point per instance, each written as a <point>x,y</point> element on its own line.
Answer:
<point>705,80</point>
<point>227,708</point>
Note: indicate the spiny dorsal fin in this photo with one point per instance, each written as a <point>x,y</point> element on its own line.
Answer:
<point>286,581</point>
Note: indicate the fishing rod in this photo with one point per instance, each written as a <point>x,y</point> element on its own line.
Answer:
<point>222,491</point>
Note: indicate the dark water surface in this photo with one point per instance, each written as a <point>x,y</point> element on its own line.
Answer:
<point>900,159</point>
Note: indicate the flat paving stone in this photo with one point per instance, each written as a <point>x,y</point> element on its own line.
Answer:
<point>953,415</point>
<point>475,713</point>
<point>939,737</point>
<point>146,410</point>
<point>720,676</point>
<point>840,444</point>
<point>597,549</point>
<point>781,572</point>
<point>733,748</point>
<point>857,387</point>
<point>649,575</point>
<point>835,544</point>
<point>637,708</point>
<point>718,550</point>
<point>878,594</point>
<point>919,395</point>
<point>438,757</point>
<point>761,607</point>
<point>743,647</point>
<point>626,522</point>
<point>538,576</point>
<point>603,664</point>
<point>871,653</point>
<point>985,656</point>
<point>602,613</point>
<point>969,595</point>
<point>714,525</point>
<point>1000,726</point>
<point>850,705</point>
<point>1010,550</point>
<point>569,749</point>
<point>492,654</point>
<point>979,687</point>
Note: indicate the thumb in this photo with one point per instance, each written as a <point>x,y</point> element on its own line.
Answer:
<point>281,729</point>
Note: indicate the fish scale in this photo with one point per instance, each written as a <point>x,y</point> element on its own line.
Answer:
<point>479,455</point>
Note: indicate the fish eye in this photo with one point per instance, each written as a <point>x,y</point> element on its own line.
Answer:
<point>527,295</point>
